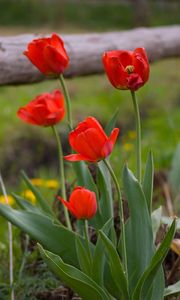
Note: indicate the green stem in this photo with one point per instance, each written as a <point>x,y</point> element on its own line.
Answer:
<point>138,138</point>
<point>61,173</point>
<point>124,255</point>
<point>86,235</point>
<point>67,99</point>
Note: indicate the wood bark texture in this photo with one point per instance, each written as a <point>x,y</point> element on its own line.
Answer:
<point>85,51</point>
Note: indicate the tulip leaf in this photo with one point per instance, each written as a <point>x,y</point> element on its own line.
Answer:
<point>174,175</point>
<point>83,258</point>
<point>146,280</point>
<point>110,126</point>
<point>53,237</point>
<point>147,184</point>
<point>42,202</point>
<point>105,201</point>
<point>116,266</point>
<point>156,221</point>
<point>84,177</point>
<point>168,221</point>
<point>138,229</point>
<point>26,205</point>
<point>172,289</point>
<point>99,255</point>
<point>74,278</point>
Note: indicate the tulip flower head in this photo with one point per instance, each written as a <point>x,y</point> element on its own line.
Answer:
<point>90,141</point>
<point>45,110</point>
<point>48,54</point>
<point>126,70</point>
<point>82,203</point>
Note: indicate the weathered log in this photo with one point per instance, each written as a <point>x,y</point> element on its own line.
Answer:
<point>85,51</point>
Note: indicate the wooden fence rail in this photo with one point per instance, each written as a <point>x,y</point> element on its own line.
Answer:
<point>85,51</point>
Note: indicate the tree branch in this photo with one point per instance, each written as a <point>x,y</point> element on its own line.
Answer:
<point>85,51</point>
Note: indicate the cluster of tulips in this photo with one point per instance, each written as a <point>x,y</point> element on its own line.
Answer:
<point>131,266</point>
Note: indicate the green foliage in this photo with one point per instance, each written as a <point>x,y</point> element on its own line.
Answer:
<point>55,238</point>
<point>77,280</point>
<point>82,15</point>
<point>147,184</point>
<point>116,267</point>
<point>40,199</point>
<point>145,282</point>
<point>174,175</point>
<point>139,237</point>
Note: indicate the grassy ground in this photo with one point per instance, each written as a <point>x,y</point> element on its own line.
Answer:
<point>159,101</point>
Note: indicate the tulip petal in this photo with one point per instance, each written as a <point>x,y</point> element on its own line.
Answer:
<point>141,64</point>
<point>25,116</point>
<point>108,146</point>
<point>115,71</point>
<point>55,59</point>
<point>34,53</point>
<point>85,146</point>
<point>93,123</point>
<point>134,82</point>
<point>75,157</point>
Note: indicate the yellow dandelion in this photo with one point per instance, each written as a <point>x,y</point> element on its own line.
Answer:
<point>51,184</point>
<point>132,134</point>
<point>28,194</point>
<point>128,147</point>
<point>37,181</point>
<point>10,199</point>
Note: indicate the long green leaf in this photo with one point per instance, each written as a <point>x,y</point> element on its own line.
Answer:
<point>84,178</point>
<point>83,258</point>
<point>74,278</point>
<point>116,267</point>
<point>106,198</point>
<point>41,200</point>
<point>105,201</point>
<point>146,280</point>
<point>138,229</point>
<point>174,176</point>
<point>168,221</point>
<point>26,205</point>
<point>55,238</point>
<point>172,289</point>
<point>156,221</point>
<point>99,256</point>
<point>147,184</point>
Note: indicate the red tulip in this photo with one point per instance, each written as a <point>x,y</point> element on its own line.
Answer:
<point>90,141</point>
<point>126,70</point>
<point>48,54</point>
<point>82,203</point>
<point>45,110</point>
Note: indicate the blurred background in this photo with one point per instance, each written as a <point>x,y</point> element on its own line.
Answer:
<point>34,150</point>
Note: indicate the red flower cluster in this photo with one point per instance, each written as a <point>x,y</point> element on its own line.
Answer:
<point>82,203</point>
<point>48,54</point>
<point>90,141</point>
<point>45,110</point>
<point>127,69</point>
